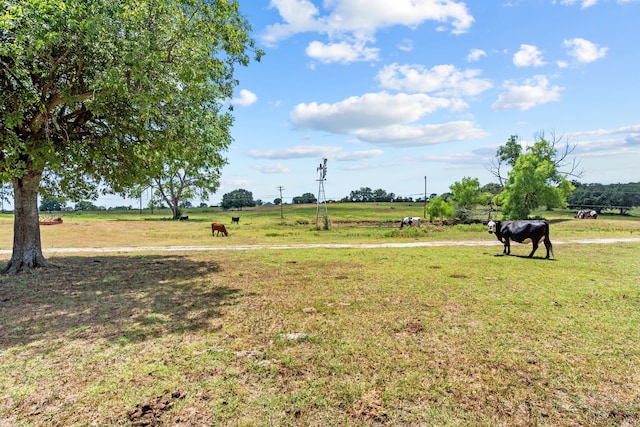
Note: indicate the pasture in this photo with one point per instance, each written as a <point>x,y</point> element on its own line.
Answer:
<point>349,336</point>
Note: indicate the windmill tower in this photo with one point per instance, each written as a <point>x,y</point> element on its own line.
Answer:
<point>321,210</point>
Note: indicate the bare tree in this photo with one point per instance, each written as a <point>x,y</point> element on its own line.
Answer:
<point>566,165</point>
<point>561,150</point>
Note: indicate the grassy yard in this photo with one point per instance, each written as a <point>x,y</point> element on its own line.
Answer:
<point>350,223</point>
<point>451,336</point>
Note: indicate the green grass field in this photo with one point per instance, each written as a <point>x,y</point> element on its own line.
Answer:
<point>442,335</point>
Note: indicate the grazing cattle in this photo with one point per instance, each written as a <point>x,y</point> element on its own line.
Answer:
<point>582,214</point>
<point>184,218</point>
<point>235,220</point>
<point>410,221</point>
<point>524,231</point>
<point>220,228</point>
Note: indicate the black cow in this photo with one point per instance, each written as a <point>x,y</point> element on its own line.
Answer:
<point>235,219</point>
<point>524,231</point>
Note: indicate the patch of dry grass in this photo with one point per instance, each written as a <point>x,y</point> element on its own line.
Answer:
<point>421,336</point>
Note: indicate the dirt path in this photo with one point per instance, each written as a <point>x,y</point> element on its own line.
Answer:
<point>602,241</point>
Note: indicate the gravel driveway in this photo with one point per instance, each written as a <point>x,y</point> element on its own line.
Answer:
<point>602,241</point>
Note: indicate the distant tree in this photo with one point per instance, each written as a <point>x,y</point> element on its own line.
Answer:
<point>491,188</point>
<point>305,198</point>
<point>402,199</point>
<point>439,208</point>
<point>154,204</point>
<point>535,181</point>
<point>51,204</point>
<point>6,192</point>
<point>610,196</point>
<point>466,195</point>
<point>85,205</point>
<point>364,194</point>
<point>193,171</point>
<point>277,201</point>
<point>237,199</point>
<point>381,195</point>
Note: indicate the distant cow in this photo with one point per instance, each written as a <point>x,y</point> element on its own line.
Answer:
<point>410,221</point>
<point>235,220</point>
<point>184,218</point>
<point>524,231</point>
<point>582,214</point>
<point>220,228</point>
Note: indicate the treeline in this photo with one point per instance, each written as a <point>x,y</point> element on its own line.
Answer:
<point>366,194</point>
<point>600,197</point>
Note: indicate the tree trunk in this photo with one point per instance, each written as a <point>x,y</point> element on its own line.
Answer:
<point>27,247</point>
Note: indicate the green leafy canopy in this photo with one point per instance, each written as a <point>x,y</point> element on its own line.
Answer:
<point>534,181</point>
<point>102,91</point>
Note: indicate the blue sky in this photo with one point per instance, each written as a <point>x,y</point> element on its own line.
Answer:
<point>391,91</point>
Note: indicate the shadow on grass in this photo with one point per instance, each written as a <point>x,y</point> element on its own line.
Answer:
<point>534,257</point>
<point>122,299</point>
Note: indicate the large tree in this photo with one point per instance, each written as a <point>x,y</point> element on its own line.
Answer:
<point>536,180</point>
<point>194,170</point>
<point>95,92</point>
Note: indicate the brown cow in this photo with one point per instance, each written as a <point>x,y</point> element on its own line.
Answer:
<point>220,228</point>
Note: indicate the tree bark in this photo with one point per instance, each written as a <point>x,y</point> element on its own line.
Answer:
<point>27,246</point>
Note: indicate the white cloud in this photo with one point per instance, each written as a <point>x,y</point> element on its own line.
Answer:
<point>298,152</point>
<point>298,15</point>
<point>370,111</point>
<point>441,79</point>
<point>406,45</point>
<point>357,155</point>
<point>314,151</point>
<point>475,55</point>
<point>528,56</point>
<point>271,168</point>
<point>634,129</point>
<point>363,17</point>
<point>534,91</point>
<point>584,51</point>
<point>422,135</point>
<point>246,98</point>
<point>383,119</point>
<point>583,3</point>
<point>343,52</point>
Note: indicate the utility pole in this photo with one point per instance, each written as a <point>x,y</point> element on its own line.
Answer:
<point>425,198</point>
<point>281,213</point>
